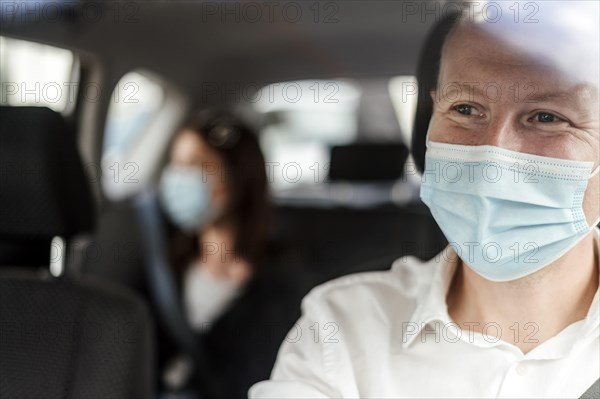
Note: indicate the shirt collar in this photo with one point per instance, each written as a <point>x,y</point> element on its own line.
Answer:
<point>432,300</point>
<point>431,303</point>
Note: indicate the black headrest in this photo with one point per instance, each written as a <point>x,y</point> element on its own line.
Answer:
<point>367,162</point>
<point>43,188</point>
<point>427,73</point>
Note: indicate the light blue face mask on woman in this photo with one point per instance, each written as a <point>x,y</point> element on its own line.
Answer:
<point>506,214</point>
<point>185,195</point>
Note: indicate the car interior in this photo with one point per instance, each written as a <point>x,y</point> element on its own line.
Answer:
<point>92,94</point>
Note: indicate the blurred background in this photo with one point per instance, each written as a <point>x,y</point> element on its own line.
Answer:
<point>329,89</point>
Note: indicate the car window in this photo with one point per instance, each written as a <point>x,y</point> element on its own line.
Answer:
<point>135,99</point>
<point>144,109</point>
<point>302,119</point>
<point>33,74</point>
<point>403,93</point>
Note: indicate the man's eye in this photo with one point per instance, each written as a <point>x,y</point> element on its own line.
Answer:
<point>466,109</point>
<point>546,117</point>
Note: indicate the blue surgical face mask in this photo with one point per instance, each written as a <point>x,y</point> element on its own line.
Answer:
<point>185,195</point>
<point>507,214</point>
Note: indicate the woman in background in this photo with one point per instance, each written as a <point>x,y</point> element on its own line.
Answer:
<point>214,190</point>
<point>235,295</point>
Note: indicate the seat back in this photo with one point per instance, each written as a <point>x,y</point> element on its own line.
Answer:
<point>42,185</point>
<point>367,162</point>
<point>60,337</point>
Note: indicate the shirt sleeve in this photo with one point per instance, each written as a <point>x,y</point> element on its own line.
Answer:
<point>300,369</point>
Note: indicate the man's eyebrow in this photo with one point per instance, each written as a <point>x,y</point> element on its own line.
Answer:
<point>528,92</point>
<point>535,97</point>
<point>577,94</point>
<point>447,90</point>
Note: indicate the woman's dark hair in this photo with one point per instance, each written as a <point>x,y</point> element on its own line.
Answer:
<point>248,207</point>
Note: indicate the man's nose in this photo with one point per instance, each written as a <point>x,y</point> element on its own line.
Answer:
<point>501,132</point>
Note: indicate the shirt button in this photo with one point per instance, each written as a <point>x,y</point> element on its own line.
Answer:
<point>521,369</point>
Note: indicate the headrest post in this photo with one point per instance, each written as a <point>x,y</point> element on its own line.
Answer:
<point>58,251</point>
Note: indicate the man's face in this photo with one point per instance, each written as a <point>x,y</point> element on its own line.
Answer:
<point>491,94</point>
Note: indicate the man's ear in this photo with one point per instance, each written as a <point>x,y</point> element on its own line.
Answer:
<point>433,95</point>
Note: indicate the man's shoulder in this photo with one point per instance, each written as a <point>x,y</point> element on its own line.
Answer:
<point>399,285</point>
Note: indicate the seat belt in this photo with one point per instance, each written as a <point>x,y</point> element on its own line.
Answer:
<point>593,392</point>
<point>165,297</point>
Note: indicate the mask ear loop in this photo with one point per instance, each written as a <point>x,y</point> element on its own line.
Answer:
<point>594,173</point>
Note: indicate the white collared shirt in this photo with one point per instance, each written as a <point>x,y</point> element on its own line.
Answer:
<point>388,334</point>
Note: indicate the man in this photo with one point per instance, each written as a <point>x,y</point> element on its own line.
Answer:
<point>510,309</point>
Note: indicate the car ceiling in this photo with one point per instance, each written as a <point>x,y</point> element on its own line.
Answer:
<point>189,43</point>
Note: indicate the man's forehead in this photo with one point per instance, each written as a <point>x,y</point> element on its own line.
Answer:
<point>482,62</point>
<point>564,42</point>
<point>477,59</point>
